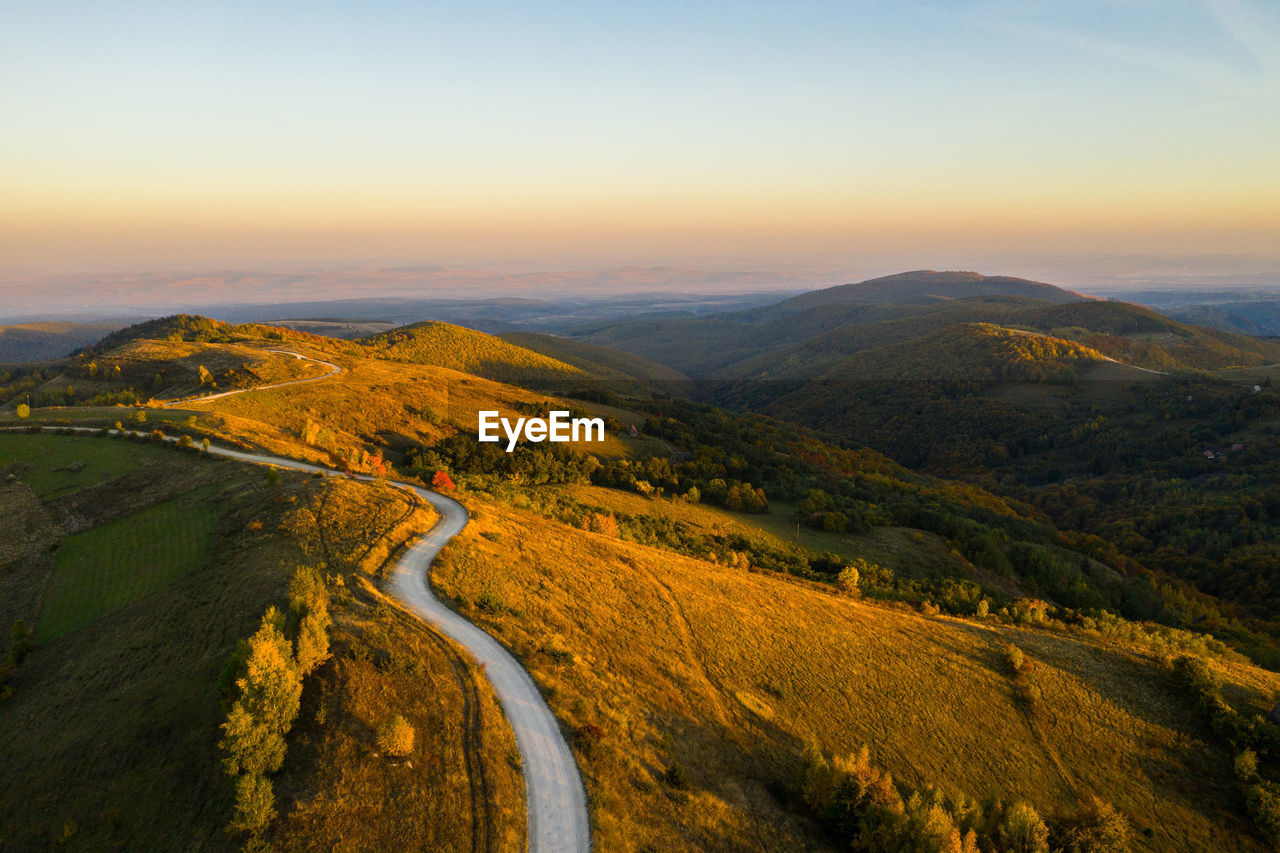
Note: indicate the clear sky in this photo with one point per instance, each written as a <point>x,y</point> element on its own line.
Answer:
<point>145,135</point>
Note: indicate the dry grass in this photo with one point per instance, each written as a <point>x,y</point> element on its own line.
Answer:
<point>458,789</point>
<point>731,673</point>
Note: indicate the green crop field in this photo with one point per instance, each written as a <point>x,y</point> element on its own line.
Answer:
<point>99,570</point>
<point>54,458</point>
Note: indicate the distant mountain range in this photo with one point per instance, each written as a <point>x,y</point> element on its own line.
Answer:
<point>810,336</point>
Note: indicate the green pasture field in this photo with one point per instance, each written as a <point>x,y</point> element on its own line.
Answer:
<point>49,455</point>
<point>102,569</point>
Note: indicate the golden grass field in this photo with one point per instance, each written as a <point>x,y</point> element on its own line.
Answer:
<point>731,673</point>
<point>726,671</point>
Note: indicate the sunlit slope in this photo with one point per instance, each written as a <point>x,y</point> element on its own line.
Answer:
<point>1127,333</point>
<point>970,351</point>
<point>730,673</point>
<point>467,351</point>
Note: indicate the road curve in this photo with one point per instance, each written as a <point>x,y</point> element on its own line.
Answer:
<point>334,370</point>
<point>556,802</point>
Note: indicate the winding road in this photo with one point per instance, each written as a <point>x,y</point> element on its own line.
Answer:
<point>334,370</point>
<point>556,802</point>
<point>555,799</point>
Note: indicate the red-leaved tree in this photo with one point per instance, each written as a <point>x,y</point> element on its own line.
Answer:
<point>441,482</point>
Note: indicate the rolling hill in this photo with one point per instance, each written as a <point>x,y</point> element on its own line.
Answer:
<point>467,351</point>
<point>925,287</point>
<point>23,342</point>
<point>683,596</point>
<point>806,336</point>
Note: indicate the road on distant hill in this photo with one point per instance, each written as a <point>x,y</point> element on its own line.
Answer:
<point>334,370</point>
<point>555,800</point>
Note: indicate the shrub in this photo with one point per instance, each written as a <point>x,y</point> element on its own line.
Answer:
<point>676,776</point>
<point>1096,827</point>
<point>395,737</point>
<point>24,411</point>
<point>19,642</point>
<point>847,580</point>
<point>601,522</point>
<point>1246,765</point>
<point>587,738</point>
<point>1015,658</point>
<point>982,610</point>
<point>442,482</point>
<point>1263,800</point>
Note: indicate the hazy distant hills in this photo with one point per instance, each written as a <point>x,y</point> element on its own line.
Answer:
<point>806,337</point>
<point>45,341</point>
<point>923,287</point>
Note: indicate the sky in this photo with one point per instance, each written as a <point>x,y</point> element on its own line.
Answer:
<point>146,136</point>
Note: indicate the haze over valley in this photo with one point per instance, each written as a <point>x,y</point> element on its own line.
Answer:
<point>566,427</point>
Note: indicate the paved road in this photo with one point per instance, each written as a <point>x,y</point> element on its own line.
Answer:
<point>555,799</point>
<point>334,370</point>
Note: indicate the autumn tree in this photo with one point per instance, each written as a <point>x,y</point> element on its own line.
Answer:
<point>254,804</point>
<point>847,580</point>
<point>309,604</point>
<point>442,482</point>
<point>270,694</point>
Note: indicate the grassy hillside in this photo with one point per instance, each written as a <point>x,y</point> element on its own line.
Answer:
<point>601,362</point>
<point>658,660</point>
<point>109,737</point>
<point>694,652</point>
<point>144,370</point>
<point>177,327</point>
<point>467,351</point>
<point>47,341</point>
<point>1141,336</point>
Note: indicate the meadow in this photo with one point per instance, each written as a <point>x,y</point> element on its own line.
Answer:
<point>110,737</point>
<point>731,674</point>
<point>106,567</point>
<point>50,463</point>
